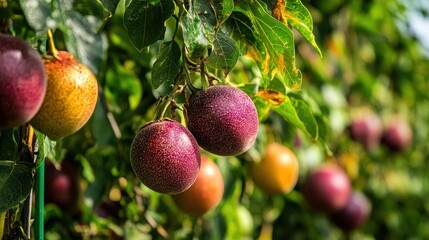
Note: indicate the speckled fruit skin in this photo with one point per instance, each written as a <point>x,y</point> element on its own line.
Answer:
<point>277,172</point>
<point>354,214</point>
<point>70,99</point>
<point>398,136</point>
<point>205,193</point>
<point>165,157</point>
<point>22,81</point>
<point>223,119</point>
<point>327,188</point>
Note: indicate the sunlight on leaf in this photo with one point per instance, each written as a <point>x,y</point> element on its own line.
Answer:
<point>278,52</point>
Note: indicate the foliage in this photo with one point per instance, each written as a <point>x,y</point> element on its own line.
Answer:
<point>309,67</point>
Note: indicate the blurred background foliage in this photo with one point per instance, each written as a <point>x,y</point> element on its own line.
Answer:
<point>375,58</point>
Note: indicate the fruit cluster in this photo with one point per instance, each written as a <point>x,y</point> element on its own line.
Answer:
<point>165,155</point>
<point>55,94</point>
<point>367,129</point>
<point>328,189</point>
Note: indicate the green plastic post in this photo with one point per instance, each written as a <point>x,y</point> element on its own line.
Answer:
<point>39,222</point>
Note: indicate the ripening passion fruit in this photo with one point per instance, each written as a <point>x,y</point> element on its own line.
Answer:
<point>223,119</point>
<point>206,192</point>
<point>22,81</point>
<point>70,99</point>
<point>165,157</point>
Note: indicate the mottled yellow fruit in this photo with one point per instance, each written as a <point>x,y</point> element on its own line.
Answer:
<point>70,99</point>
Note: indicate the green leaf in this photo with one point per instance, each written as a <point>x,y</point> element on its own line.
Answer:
<point>16,181</point>
<point>37,12</point>
<point>223,9</point>
<point>214,11</point>
<point>83,41</point>
<point>225,53</point>
<point>144,21</point>
<point>8,143</point>
<point>241,28</point>
<point>306,116</point>
<point>198,36</point>
<point>300,18</point>
<point>166,67</point>
<point>278,54</point>
<point>299,114</point>
<point>110,5</point>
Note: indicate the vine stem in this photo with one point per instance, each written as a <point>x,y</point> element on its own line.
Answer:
<point>168,101</point>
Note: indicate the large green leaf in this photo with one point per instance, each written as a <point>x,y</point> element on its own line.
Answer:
<point>166,67</point>
<point>16,181</point>
<point>198,35</point>
<point>224,55</point>
<point>83,41</point>
<point>37,12</point>
<point>278,54</point>
<point>144,21</point>
<point>300,18</point>
<point>241,28</point>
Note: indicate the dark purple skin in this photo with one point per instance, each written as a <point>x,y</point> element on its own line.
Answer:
<point>354,214</point>
<point>223,119</point>
<point>62,186</point>
<point>22,82</point>
<point>367,130</point>
<point>327,189</point>
<point>165,157</point>
<point>398,135</point>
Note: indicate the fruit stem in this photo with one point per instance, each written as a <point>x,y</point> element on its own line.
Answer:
<point>54,50</point>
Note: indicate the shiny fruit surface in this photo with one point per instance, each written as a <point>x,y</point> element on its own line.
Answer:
<point>205,193</point>
<point>278,170</point>
<point>22,81</point>
<point>223,119</point>
<point>165,157</point>
<point>70,99</point>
